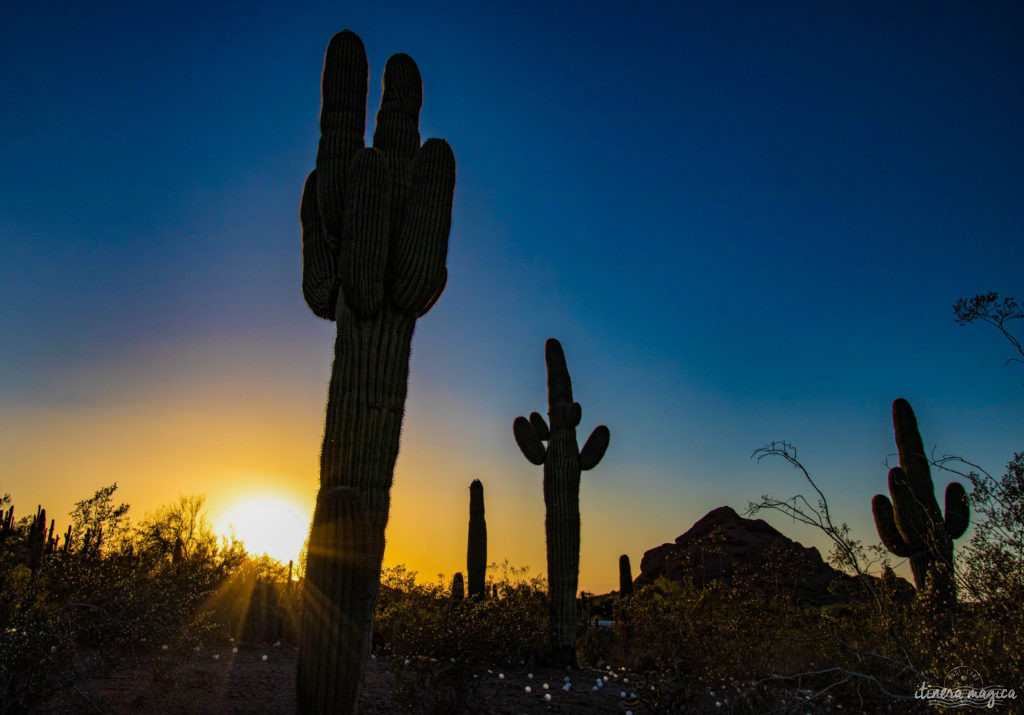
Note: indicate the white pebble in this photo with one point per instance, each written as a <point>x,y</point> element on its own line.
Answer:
<point>263,658</point>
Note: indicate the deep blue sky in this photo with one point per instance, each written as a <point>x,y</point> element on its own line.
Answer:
<point>745,223</point>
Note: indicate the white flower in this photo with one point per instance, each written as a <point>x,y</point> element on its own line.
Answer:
<point>625,680</point>
<point>277,644</point>
<point>501,676</point>
<point>407,663</point>
<point>235,649</point>
<point>545,686</point>
<point>216,656</point>
<point>163,647</point>
<point>547,697</point>
<point>623,695</point>
<point>594,688</point>
<point>196,649</point>
<point>566,687</point>
<point>263,658</point>
<point>718,703</point>
<point>528,689</point>
<point>530,676</point>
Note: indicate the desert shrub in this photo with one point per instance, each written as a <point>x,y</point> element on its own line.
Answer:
<point>129,590</point>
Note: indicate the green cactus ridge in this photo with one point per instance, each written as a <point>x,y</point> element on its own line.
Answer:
<point>625,576</point>
<point>911,525</point>
<point>563,462</point>
<point>476,551</point>
<point>375,224</point>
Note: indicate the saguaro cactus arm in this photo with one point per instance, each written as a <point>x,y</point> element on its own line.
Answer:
<point>957,510</point>
<point>528,440</point>
<point>885,522</point>
<point>594,448</point>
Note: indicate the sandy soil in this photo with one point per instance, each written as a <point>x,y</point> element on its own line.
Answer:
<point>262,680</point>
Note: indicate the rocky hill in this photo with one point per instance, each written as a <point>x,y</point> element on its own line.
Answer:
<point>723,543</point>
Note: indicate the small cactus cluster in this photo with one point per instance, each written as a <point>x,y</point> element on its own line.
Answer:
<point>476,551</point>
<point>625,576</point>
<point>911,525</point>
<point>458,587</point>
<point>563,461</point>
<point>375,224</point>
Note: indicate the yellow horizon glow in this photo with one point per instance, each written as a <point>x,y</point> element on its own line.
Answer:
<point>271,524</point>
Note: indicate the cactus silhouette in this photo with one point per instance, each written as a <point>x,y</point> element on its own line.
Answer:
<point>36,539</point>
<point>458,587</point>
<point>911,525</point>
<point>375,223</point>
<point>563,460</point>
<point>476,551</point>
<point>625,576</point>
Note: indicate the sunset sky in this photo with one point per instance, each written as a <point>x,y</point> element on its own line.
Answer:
<point>744,224</point>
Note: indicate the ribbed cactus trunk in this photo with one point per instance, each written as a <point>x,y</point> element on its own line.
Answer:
<point>476,551</point>
<point>375,224</point>
<point>625,576</point>
<point>911,525</point>
<point>563,462</point>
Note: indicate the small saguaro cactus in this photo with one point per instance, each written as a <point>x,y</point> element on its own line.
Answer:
<point>375,223</point>
<point>911,525</point>
<point>625,576</point>
<point>37,539</point>
<point>476,551</point>
<point>563,460</point>
<point>458,587</point>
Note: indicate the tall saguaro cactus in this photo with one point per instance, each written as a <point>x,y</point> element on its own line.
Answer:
<point>476,551</point>
<point>375,223</point>
<point>563,461</point>
<point>911,525</point>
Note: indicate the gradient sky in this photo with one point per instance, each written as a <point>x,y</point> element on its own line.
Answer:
<point>744,223</point>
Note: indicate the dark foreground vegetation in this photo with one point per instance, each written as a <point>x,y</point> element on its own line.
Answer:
<point>110,597</point>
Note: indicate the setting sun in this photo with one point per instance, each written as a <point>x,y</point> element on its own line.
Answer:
<point>271,525</point>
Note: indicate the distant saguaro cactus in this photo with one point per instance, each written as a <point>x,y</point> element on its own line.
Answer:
<point>36,539</point>
<point>375,223</point>
<point>911,525</point>
<point>458,587</point>
<point>563,460</point>
<point>625,576</point>
<point>476,551</point>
